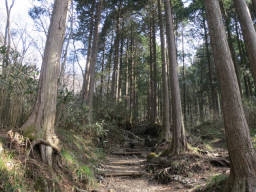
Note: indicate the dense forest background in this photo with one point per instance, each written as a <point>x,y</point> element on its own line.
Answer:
<point>173,79</point>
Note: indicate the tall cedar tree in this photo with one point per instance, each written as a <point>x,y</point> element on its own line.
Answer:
<point>243,158</point>
<point>166,114</point>
<point>179,143</point>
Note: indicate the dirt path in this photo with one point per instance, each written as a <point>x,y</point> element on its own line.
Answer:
<point>124,171</point>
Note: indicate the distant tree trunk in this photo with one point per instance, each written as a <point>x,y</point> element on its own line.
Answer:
<point>63,64</point>
<point>213,93</point>
<point>166,114</point>
<point>151,78</point>
<point>94,59</point>
<point>183,74</point>
<point>40,124</point>
<point>127,79</point>
<point>116,59</point>
<point>120,76</point>
<point>109,64</point>
<point>86,78</point>
<point>132,77</point>
<point>249,32</point>
<point>155,111</point>
<point>230,43</point>
<point>7,36</point>
<point>102,72</point>
<point>179,143</point>
<point>241,151</point>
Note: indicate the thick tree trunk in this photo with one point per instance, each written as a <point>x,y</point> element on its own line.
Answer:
<point>40,125</point>
<point>241,151</point>
<point>94,59</point>
<point>166,114</point>
<point>179,143</point>
<point>249,32</point>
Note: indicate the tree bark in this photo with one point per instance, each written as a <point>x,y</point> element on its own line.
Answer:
<point>40,124</point>
<point>94,59</point>
<point>116,60</point>
<point>155,111</point>
<point>230,43</point>
<point>249,32</point>
<point>166,114</point>
<point>241,151</point>
<point>86,78</point>
<point>179,143</point>
<point>102,72</point>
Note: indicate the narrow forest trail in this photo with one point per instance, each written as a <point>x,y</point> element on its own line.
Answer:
<point>124,171</point>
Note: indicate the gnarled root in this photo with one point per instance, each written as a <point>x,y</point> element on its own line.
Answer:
<point>46,150</point>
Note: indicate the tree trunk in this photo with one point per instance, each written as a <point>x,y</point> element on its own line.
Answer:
<point>116,60</point>
<point>120,76</point>
<point>102,72</point>
<point>86,78</point>
<point>155,111</point>
<point>249,32</point>
<point>179,143</point>
<point>230,43</point>
<point>40,125</point>
<point>94,59</point>
<point>166,114</point>
<point>151,78</point>
<point>132,78</point>
<point>241,151</point>
<point>109,64</point>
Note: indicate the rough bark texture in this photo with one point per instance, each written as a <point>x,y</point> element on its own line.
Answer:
<point>249,32</point>
<point>241,151</point>
<point>40,125</point>
<point>166,114</point>
<point>179,142</point>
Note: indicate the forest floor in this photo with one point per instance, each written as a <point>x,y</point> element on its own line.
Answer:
<point>127,170</point>
<point>123,166</point>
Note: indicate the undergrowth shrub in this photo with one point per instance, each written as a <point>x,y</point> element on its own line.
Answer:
<point>18,89</point>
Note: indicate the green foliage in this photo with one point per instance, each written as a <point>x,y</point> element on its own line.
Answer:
<point>18,88</point>
<point>85,174</point>
<point>11,175</point>
<point>71,114</point>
